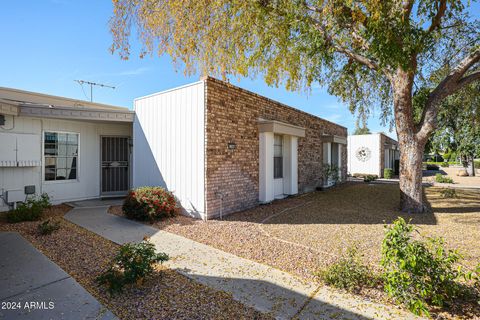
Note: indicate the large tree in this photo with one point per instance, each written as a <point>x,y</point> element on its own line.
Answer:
<point>369,53</point>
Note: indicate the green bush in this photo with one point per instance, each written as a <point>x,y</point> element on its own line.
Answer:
<point>418,272</point>
<point>445,165</point>
<point>448,193</point>
<point>132,264</point>
<point>150,204</point>
<point>348,272</point>
<point>443,179</point>
<point>388,173</point>
<point>31,210</point>
<point>369,178</point>
<point>47,227</point>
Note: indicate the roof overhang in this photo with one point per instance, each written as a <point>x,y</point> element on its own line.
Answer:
<point>334,139</point>
<point>280,128</point>
<point>67,113</point>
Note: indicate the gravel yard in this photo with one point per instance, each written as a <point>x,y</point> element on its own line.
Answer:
<point>304,233</point>
<point>168,295</point>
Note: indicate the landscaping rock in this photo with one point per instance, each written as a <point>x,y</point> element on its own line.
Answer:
<point>462,173</point>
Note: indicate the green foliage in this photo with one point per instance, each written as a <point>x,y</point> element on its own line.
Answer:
<point>442,179</point>
<point>47,227</point>
<point>369,178</point>
<point>150,203</point>
<point>388,173</point>
<point>448,193</point>
<point>361,130</point>
<point>331,173</point>
<point>133,263</point>
<point>348,272</point>
<point>445,165</point>
<point>31,210</point>
<point>418,273</point>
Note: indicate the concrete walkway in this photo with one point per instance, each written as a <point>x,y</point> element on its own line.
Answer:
<point>262,287</point>
<point>33,287</point>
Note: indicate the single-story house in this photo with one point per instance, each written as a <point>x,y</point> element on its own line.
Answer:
<point>370,154</point>
<point>67,148</point>
<point>218,147</point>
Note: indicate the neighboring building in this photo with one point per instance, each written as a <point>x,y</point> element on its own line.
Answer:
<point>222,149</point>
<point>67,148</point>
<point>218,147</point>
<point>371,154</point>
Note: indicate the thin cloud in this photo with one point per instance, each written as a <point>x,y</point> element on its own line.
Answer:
<point>124,73</point>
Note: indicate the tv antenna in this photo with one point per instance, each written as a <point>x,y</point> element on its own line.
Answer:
<point>91,84</point>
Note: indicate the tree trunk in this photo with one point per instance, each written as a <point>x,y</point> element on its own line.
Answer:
<point>411,148</point>
<point>411,158</point>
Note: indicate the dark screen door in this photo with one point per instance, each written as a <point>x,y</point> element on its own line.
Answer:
<point>115,163</point>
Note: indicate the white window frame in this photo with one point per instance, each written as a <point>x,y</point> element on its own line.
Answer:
<point>43,158</point>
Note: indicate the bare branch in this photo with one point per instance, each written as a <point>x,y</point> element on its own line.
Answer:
<point>437,19</point>
<point>407,8</point>
<point>469,79</point>
<point>453,82</point>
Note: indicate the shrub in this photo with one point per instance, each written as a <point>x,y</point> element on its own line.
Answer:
<point>331,173</point>
<point>433,167</point>
<point>448,193</point>
<point>418,272</point>
<point>348,272</point>
<point>445,165</point>
<point>388,173</point>
<point>149,203</point>
<point>31,210</point>
<point>47,227</point>
<point>442,179</point>
<point>132,264</point>
<point>369,178</point>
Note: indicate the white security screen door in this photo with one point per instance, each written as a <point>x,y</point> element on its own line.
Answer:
<point>278,165</point>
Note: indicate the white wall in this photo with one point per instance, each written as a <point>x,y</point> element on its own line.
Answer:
<point>169,142</point>
<point>88,183</point>
<point>370,141</point>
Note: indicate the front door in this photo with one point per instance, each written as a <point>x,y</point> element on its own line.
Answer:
<point>278,166</point>
<point>115,165</point>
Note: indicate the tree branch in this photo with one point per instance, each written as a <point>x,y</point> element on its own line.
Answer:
<point>453,82</point>
<point>407,9</point>
<point>469,79</point>
<point>437,19</point>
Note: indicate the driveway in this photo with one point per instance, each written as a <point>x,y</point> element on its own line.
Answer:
<point>33,287</point>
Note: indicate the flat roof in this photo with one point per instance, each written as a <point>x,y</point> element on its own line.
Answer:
<point>23,97</point>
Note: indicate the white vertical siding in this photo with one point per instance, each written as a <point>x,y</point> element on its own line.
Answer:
<point>88,183</point>
<point>372,165</point>
<point>168,144</point>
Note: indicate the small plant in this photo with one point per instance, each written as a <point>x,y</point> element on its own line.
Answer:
<point>132,264</point>
<point>388,173</point>
<point>348,272</point>
<point>418,272</point>
<point>150,204</point>
<point>331,172</point>
<point>31,210</point>
<point>47,227</point>
<point>448,193</point>
<point>444,165</point>
<point>369,178</point>
<point>443,179</point>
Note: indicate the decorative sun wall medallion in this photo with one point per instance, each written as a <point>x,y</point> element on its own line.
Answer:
<point>363,154</point>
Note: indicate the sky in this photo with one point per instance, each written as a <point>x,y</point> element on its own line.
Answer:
<point>47,44</point>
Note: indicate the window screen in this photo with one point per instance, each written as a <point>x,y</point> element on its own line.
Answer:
<point>61,156</point>
<point>277,156</point>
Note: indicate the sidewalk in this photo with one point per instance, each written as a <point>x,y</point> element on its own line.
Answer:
<point>33,287</point>
<point>260,286</point>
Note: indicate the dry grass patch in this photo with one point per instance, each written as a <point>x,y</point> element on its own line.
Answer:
<point>168,295</point>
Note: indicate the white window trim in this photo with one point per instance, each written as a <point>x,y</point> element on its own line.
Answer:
<point>43,159</point>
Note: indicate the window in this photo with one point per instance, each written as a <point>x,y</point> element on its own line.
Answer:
<point>277,156</point>
<point>61,156</point>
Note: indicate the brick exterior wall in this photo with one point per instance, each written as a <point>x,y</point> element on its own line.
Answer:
<point>231,116</point>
